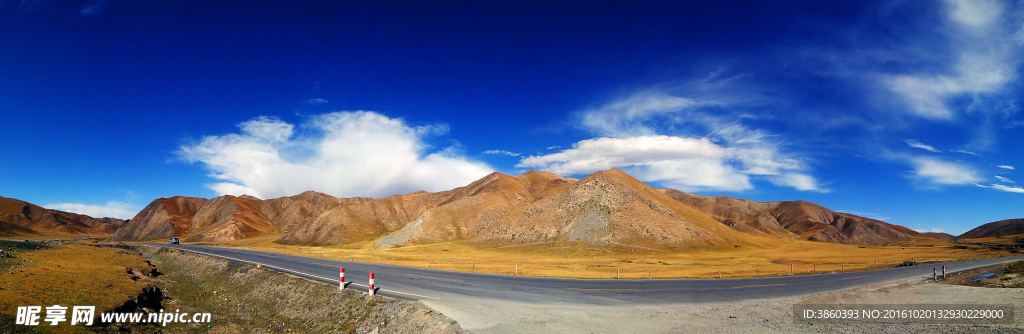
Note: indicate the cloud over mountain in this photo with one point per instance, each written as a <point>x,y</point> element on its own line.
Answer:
<point>359,153</point>
<point>650,135</point>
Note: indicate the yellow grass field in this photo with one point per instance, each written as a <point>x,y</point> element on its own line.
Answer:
<point>68,275</point>
<point>579,260</point>
<point>1006,240</point>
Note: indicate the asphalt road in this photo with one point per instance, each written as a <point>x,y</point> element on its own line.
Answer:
<point>429,284</point>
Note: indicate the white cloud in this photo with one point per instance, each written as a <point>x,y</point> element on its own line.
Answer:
<point>514,154</point>
<point>917,144</point>
<point>317,102</point>
<point>94,8</point>
<point>687,163</point>
<point>344,154</point>
<point>941,172</point>
<point>798,181</point>
<point>1004,179</point>
<point>986,60</point>
<point>120,210</point>
<point>1005,166</point>
<point>630,140</point>
<point>554,147</point>
<point>964,152</point>
<point>933,230</point>
<point>627,117</point>
<point>1003,187</point>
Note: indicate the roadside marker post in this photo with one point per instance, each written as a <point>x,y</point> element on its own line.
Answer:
<point>517,270</point>
<point>934,274</point>
<point>371,284</point>
<point>616,272</point>
<point>790,268</point>
<point>943,271</point>
<point>341,279</point>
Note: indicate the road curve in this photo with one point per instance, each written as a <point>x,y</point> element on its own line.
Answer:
<point>429,284</point>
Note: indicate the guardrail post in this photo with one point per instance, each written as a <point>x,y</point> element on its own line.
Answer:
<point>371,284</point>
<point>341,280</point>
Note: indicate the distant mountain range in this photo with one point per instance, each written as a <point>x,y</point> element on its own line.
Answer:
<point>995,229</point>
<point>939,235</point>
<point>19,218</point>
<point>608,207</point>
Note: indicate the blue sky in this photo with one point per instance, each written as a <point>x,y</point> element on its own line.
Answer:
<point>908,112</point>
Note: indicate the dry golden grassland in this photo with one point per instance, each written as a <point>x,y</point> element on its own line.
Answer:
<point>67,275</point>
<point>580,260</point>
<point>1006,240</point>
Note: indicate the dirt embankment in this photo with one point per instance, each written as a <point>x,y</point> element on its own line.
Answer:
<point>243,298</point>
<point>1008,275</point>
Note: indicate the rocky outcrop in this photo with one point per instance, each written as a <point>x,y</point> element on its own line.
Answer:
<point>609,207</point>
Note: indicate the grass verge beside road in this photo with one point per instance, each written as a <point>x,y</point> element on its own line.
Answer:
<point>239,297</point>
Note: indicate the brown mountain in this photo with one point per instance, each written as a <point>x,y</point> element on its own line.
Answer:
<point>939,235</point>
<point>995,229</point>
<point>797,219</point>
<point>608,207</point>
<point>18,218</point>
<point>164,217</point>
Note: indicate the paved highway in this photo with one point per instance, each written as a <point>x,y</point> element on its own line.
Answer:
<point>429,284</point>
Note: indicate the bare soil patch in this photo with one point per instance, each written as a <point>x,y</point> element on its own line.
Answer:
<point>1009,275</point>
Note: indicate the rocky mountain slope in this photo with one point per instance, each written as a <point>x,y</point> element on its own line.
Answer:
<point>995,229</point>
<point>19,218</point>
<point>608,207</point>
<point>796,219</point>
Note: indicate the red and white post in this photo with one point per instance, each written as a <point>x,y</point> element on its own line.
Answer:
<point>371,284</point>
<point>341,279</point>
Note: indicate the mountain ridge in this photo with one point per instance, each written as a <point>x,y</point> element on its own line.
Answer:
<point>606,207</point>
<point>20,218</point>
